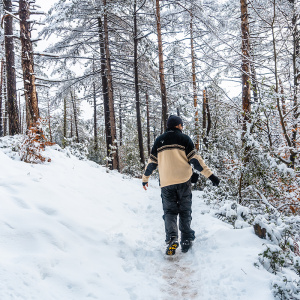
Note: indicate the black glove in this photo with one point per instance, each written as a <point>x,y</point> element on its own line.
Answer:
<point>194,178</point>
<point>214,179</point>
<point>144,183</point>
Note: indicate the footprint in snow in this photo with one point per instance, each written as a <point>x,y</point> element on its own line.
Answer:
<point>179,276</point>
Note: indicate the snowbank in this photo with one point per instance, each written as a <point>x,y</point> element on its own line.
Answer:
<point>69,230</point>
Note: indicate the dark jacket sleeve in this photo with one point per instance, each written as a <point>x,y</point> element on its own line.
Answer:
<point>152,163</point>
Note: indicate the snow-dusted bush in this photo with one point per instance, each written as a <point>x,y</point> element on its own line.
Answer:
<point>79,150</point>
<point>10,145</point>
<point>233,213</point>
<point>273,258</point>
<point>285,288</point>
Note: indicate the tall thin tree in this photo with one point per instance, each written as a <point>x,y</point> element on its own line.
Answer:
<point>295,56</point>
<point>136,84</point>
<point>31,98</point>
<point>95,111</point>
<point>104,87</point>
<point>14,126</point>
<point>148,123</point>
<point>194,80</point>
<point>65,124</point>
<point>161,68</point>
<point>246,88</point>
<point>114,153</point>
<point>75,113</point>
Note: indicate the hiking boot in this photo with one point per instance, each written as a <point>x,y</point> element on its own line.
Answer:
<point>186,245</point>
<point>172,246</point>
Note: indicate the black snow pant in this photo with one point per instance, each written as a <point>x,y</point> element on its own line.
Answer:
<point>177,200</point>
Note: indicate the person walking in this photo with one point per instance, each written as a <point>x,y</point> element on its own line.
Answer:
<point>179,165</point>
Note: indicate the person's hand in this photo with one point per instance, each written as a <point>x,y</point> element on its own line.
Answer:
<point>194,178</point>
<point>214,179</point>
<point>145,185</point>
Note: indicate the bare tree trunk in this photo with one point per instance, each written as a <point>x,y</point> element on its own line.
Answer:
<point>296,52</point>
<point>120,121</point>
<point>1,98</point>
<point>75,116</point>
<point>5,127</point>
<point>204,113</point>
<point>31,98</point>
<point>136,85</point>
<point>71,133</point>
<point>115,157</point>
<point>49,122</point>
<point>197,144</point>
<point>95,113</point>
<point>5,113</point>
<point>23,118</point>
<point>104,88</point>
<point>253,78</point>
<point>282,99</point>
<point>20,115</point>
<point>148,124</point>
<point>208,116</point>
<point>65,123</point>
<point>13,115</point>
<point>161,69</point>
<point>246,94</point>
<point>246,88</point>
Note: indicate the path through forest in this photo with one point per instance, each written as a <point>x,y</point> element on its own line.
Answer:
<point>70,230</point>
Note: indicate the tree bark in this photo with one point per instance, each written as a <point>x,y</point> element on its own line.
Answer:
<point>65,123</point>
<point>246,92</point>
<point>31,98</point>
<point>296,52</point>
<point>104,88</point>
<point>5,119</point>
<point>71,132</point>
<point>75,116</point>
<point>136,86</point>
<point>208,117</point>
<point>204,113</point>
<point>5,113</point>
<point>161,69</point>
<point>120,121</point>
<point>20,115</point>
<point>1,98</point>
<point>49,122</point>
<point>95,113</point>
<point>148,124</point>
<point>114,150</point>
<point>13,115</point>
<point>253,78</point>
<point>194,79</point>
<point>282,100</point>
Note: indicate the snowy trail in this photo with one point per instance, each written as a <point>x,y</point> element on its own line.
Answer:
<point>178,273</point>
<point>69,230</point>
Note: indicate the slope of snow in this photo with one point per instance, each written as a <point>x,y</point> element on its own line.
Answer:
<point>69,230</point>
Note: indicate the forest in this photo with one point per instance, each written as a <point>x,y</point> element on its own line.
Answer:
<point>229,69</point>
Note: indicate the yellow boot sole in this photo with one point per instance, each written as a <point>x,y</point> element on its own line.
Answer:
<point>171,249</point>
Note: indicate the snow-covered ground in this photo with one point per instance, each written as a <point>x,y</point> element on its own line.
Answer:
<point>70,230</point>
